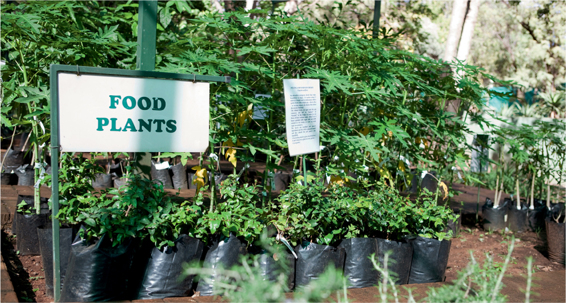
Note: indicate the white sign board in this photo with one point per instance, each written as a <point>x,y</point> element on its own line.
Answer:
<point>123,114</point>
<point>302,115</point>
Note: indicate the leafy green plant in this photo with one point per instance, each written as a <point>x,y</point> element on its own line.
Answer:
<point>305,213</point>
<point>236,212</point>
<point>429,219</point>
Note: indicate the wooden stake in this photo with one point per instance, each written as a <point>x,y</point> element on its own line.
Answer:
<point>495,201</point>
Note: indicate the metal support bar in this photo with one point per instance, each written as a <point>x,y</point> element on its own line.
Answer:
<point>55,185</point>
<point>147,30</point>
<point>376,16</point>
<point>56,68</point>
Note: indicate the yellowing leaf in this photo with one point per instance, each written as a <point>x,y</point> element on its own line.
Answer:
<point>336,179</point>
<point>201,176</point>
<point>231,155</point>
<point>445,188</point>
<point>365,130</point>
<point>401,166</point>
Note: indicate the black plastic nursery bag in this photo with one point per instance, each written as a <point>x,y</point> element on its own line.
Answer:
<point>494,217</point>
<point>26,175</point>
<point>46,247</point>
<point>535,217</point>
<point>270,268</point>
<point>162,277</point>
<point>222,251</point>
<point>358,267</point>
<point>179,176</point>
<point>97,271</point>
<point>102,181</point>
<point>161,175</point>
<point>313,260</point>
<point>430,257</point>
<point>517,218</point>
<point>555,235</point>
<point>399,260</point>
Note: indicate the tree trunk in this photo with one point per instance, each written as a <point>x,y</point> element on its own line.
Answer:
<point>458,14</point>
<point>468,30</point>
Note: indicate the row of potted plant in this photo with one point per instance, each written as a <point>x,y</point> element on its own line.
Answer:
<point>139,236</point>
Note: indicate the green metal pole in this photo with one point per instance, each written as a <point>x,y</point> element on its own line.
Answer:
<point>55,184</point>
<point>147,36</point>
<point>376,16</point>
<point>147,30</point>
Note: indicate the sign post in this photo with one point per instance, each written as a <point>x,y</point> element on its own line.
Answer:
<point>123,110</point>
<point>302,117</point>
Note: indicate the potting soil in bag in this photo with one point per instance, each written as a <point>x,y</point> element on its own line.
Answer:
<point>313,259</point>
<point>494,217</point>
<point>97,271</point>
<point>161,174</point>
<point>102,181</point>
<point>223,252</point>
<point>270,267</point>
<point>358,267</point>
<point>430,258</point>
<point>517,218</point>
<point>45,236</point>
<point>535,217</point>
<point>163,276</point>
<point>25,175</point>
<point>399,260</point>
<point>179,176</point>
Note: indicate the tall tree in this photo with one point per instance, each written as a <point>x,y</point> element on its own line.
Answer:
<point>458,14</point>
<point>468,30</point>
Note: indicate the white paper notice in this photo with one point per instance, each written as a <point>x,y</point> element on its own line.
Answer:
<point>302,115</point>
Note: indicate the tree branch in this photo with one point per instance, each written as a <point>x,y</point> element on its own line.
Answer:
<point>525,25</point>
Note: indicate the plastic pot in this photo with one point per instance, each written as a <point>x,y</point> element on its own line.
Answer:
<point>555,233</point>
<point>494,217</point>
<point>179,176</point>
<point>536,216</point>
<point>13,160</point>
<point>517,218</point>
<point>119,182</point>
<point>25,225</point>
<point>97,271</point>
<point>399,260</point>
<point>270,267</point>
<point>358,267</point>
<point>281,181</point>
<point>221,251</point>
<point>161,175</point>
<point>45,236</point>
<point>313,259</point>
<point>163,275</point>
<point>430,258</point>
<point>26,175</point>
<point>9,179</point>
<point>102,181</point>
